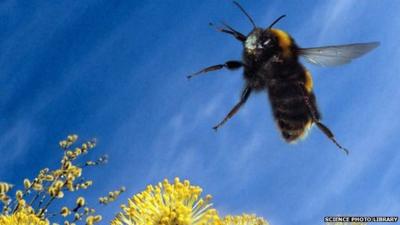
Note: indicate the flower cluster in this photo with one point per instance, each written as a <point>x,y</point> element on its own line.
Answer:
<point>22,217</point>
<point>112,196</point>
<point>177,203</point>
<point>31,204</point>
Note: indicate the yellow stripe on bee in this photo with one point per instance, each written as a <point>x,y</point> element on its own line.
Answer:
<point>308,81</point>
<point>285,42</point>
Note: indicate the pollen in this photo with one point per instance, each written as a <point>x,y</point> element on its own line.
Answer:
<point>176,203</point>
<point>22,217</point>
<point>285,42</point>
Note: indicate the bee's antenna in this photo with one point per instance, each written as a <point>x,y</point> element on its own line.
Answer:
<point>245,13</point>
<point>275,21</point>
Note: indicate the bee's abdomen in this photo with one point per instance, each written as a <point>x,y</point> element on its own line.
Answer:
<point>290,110</point>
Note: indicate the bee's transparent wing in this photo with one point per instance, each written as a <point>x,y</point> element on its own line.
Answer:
<point>336,55</point>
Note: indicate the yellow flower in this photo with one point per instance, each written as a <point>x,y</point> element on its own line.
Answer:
<point>64,211</point>
<point>27,183</point>
<point>168,204</point>
<point>244,219</point>
<point>80,202</point>
<point>19,194</point>
<point>90,220</point>
<point>5,187</point>
<point>22,218</point>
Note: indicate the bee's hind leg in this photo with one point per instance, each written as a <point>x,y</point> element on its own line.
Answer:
<point>230,65</point>
<point>245,95</point>
<point>317,122</point>
<point>330,135</point>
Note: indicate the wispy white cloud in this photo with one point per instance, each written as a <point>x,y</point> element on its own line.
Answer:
<point>170,139</point>
<point>14,144</point>
<point>334,16</point>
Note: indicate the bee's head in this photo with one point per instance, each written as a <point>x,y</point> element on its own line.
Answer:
<point>258,41</point>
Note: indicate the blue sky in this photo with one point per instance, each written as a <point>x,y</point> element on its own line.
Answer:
<point>115,70</point>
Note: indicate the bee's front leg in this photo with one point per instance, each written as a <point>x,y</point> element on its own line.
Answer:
<point>229,30</point>
<point>245,95</point>
<point>230,65</point>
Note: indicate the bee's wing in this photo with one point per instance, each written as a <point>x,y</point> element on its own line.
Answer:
<point>336,55</point>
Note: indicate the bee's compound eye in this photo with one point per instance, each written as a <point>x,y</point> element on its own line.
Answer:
<point>267,42</point>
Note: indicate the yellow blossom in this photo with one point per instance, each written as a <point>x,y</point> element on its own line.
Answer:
<point>27,183</point>
<point>177,203</point>
<point>77,216</point>
<point>48,186</point>
<point>78,151</point>
<point>5,187</point>
<point>64,211</point>
<point>19,194</point>
<point>90,220</point>
<point>80,202</point>
<point>37,186</point>
<point>72,138</point>
<point>21,218</point>
<point>5,199</point>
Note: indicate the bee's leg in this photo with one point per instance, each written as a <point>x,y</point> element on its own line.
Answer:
<point>245,95</point>
<point>320,125</point>
<point>229,30</point>
<point>231,65</point>
<point>330,135</point>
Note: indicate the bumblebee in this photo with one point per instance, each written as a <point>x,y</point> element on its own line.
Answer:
<point>270,62</point>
